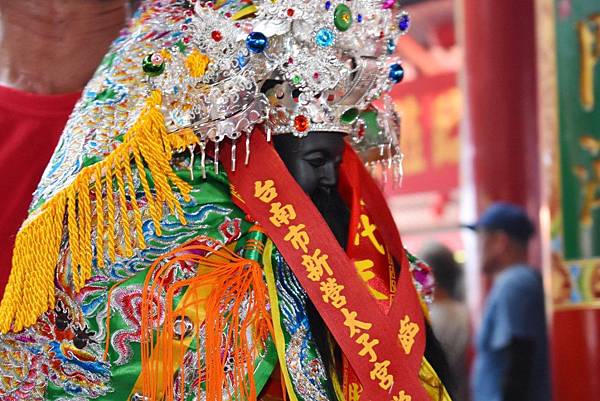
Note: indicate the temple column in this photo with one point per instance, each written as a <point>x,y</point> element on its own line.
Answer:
<point>499,131</point>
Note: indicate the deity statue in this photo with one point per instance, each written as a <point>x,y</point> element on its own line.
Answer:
<point>209,229</point>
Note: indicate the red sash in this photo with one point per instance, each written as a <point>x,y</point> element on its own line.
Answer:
<point>384,347</point>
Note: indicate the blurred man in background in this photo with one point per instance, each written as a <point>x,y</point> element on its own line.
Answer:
<point>512,348</point>
<point>449,316</point>
<point>48,51</point>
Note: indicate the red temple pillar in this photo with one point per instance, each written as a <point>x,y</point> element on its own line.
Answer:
<point>499,132</point>
<point>500,88</point>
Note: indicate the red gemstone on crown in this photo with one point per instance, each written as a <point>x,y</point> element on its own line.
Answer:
<point>301,123</point>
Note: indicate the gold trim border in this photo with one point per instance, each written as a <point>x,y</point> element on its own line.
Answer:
<point>548,144</point>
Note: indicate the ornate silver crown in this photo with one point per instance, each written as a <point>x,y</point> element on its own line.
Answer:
<point>210,61</point>
<point>331,58</point>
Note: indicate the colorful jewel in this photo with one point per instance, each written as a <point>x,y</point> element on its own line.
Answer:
<point>361,131</point>
<point>325,37</point>
<point>327,5</point>
<point>391,46</point>
<point>342,17</point>
<point>296,80</point>
<point>388,4</point>
<point>404,22</point>
<point>256,42</point>
<point>349,116</point>
<point>290,12</point>
<point>396,73</point>
<point>153,64</point>
<point>301,123</point>
<point>242,61</point>
<point>216,36</point>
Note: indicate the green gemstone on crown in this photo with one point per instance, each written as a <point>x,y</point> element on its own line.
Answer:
<point>349,116</point>
<point>342,17</point>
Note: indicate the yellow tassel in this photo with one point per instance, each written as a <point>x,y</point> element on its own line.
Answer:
<point>137,214</point>
<point>183,139</point>
<point>99,215</point>
<point>128,248</point>
<point>155,210</point>
<point>73,228</point>
<point>110,217</point>
<point>85,235</point>
<point>197,63</point>
<point>30,289</point>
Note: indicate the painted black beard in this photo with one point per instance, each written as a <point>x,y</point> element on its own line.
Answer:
<point>335,212</point>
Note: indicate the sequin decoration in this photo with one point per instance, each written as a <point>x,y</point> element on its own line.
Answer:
<point>304,362</point>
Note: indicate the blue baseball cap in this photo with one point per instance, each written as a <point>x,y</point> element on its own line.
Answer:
<point>503,216</point>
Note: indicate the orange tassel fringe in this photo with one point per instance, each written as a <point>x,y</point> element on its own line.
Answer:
<point>229,298</point>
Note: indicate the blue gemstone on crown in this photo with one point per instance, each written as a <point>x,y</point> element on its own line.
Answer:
<point>396,73</point>
<point>256,42</point>
<point>242,61</point>
<point>325,37</point>
<point>404,22</point>
<point>391,46</point>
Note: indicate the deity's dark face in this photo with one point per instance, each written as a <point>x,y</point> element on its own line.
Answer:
<point>314,162</point>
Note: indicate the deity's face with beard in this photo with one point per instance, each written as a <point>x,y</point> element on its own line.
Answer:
<point>314,162</point>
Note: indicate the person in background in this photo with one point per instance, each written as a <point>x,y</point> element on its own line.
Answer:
<point>48,51</point>
<point>449,316</point>
<point>511,363</point>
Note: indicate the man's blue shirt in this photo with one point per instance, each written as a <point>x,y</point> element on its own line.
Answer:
<point>515,309</point>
